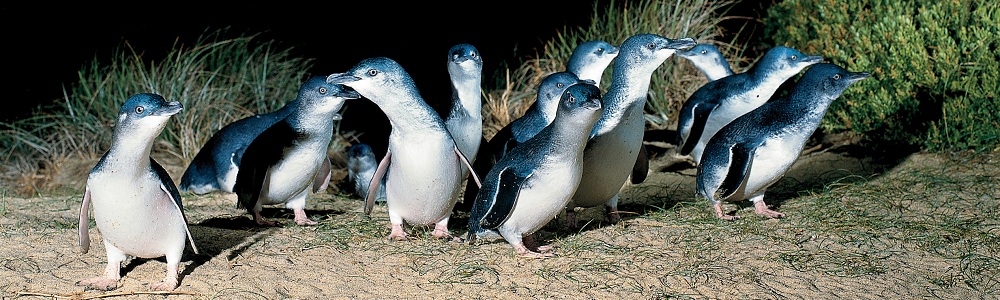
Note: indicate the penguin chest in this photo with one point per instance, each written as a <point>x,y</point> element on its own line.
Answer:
<point>543,196</point>
<point>468,134</point>
<point>607,163</point>
<point>424,177</point>
<point>293,174</point>
<point>771,160</point>
<point>136,215</point>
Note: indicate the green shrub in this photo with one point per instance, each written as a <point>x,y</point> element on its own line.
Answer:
<point>934,63</point>
<point>671,83</point>
<point>218,80</point>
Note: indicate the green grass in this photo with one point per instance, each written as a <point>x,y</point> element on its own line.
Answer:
<point>219,79</point>
<point>671,83</point>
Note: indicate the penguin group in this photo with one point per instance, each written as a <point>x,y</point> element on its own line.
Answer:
<point>575,147</point>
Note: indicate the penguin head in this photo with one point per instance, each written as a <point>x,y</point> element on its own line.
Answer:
<point>359,156</point>
<point>145,114</point>
<point>318,96</point>
<point>377,78</point>
<point>703,54</point>
<point>591,56</point>
<point>829,79</point>
<point>651,48</point>
<point>581,99</point>
<point>785,62</point>
<point>464,56</point>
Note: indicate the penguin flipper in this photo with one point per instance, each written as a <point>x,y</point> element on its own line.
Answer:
<point>739,170</point>
<point>171,192</point>
<point>322,180</point>
<point>701,113</point>
<point>264,151</point>
<point>508,189</point>
<point>376,182</point>
<point>468,165</point>
<point>641,168</point>
<point>84,224</point>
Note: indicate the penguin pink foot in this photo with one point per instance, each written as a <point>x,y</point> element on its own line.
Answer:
<point>302,219</point>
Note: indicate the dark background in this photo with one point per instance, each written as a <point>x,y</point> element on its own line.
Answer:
<point>46,46</point>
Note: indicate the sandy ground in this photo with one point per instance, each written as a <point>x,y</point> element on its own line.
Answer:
<point>667,246</point>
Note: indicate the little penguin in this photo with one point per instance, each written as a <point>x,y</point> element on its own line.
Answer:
<point>709,60</point>
<point>137,207</point>
<point>718,102</point>
<point>215,166</point>
<point>280,165</point>
<point>615,141</point>
<point>361,165</point>
<point>465,119</point>
<point>756,149</point>
<point>423,165</point>
<point>538,115</point>
<point>530,185</point>
<point>589,60</point>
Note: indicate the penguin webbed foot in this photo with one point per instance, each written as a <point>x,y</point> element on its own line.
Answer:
<point>302,219</point>
<point>722,214</point>
<point>102,283</point>
<point>613,216</point>
<point>397,233</point>
<point>442,233</point>
<point>168,284</point>
<point>527,248</point>
<point>761,209</point>
<point>257,218</point>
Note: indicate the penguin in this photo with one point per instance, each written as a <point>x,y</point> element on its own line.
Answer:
<point>215,166</point>
<point>756,149</point>
<point>423,163</point>
<point>532,183</point>
<point>589,60</point>
<point>538,115</point>
<point>614,143</point>
<point>709,60</point>
<point>465,119</point>
<point>137,207</point>
<point>718,102</point>
<point>280,164</point>
<point>361,165</point>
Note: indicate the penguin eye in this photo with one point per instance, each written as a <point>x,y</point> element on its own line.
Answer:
<point>474,55</point>
<point>560,85</point>
<point>572,100</point>
<point>372,72</point>
<point>704,51</point>
<point>651,46</point>
<point>140,109</point>
<point>322,90</point>
<point>600,50</point>
<point>836,76</point>
<point>795,57</point>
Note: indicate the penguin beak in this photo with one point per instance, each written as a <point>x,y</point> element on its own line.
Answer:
<point>587,81</point>
<point>855,76</point>
<point>812,59</point>
<point>680,44</point>
<point>346,92</point>
<point>168,110</point>
<point>340,78</point>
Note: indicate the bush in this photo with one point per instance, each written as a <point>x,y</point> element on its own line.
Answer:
<point>218,81</point>
<point>934,63</point>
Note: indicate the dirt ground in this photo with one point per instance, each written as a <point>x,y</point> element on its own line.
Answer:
<point>668,246</point>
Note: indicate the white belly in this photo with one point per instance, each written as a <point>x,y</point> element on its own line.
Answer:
<point>139,219</point>
<point>424,178</point>
<point>549,192</point>
<point>608,162</point>
<point>293,174</point>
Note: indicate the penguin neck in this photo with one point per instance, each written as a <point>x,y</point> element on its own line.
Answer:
<point>626,97</point>
<point>466,99</point>
<point>311,124</point>
<point>129,153</point>
<point>409,112</point>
